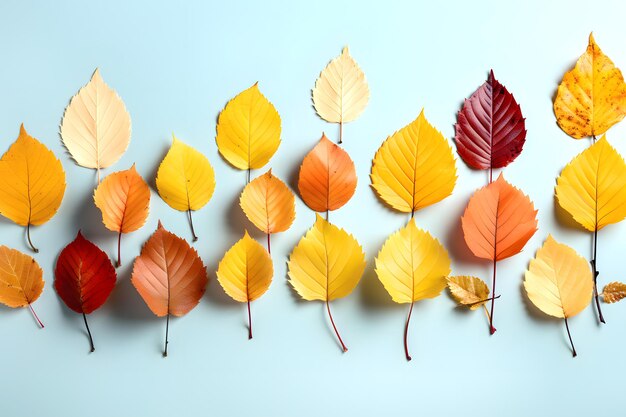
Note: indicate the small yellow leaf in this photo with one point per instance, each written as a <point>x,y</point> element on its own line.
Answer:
<point>21,280</point>
<point>341,92</point>
<point>468,290</point>
<point>559,281</point>
<point>614,292</point>
<point>592,187</point>
<point>412,265</point>
<point>268,203</point>
<point>592,96</point>
<point>245,272</point>
<point>414,167</point>
<point>96,125</point>
<point>185,179</point>
<point>248,130</point>
<point>32,182</point>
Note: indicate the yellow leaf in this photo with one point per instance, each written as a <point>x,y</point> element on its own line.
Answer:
<point>326,264</point>
<point>248,130</point>
<point>96,125</point>
<point>245,272</point>
<point>268,203</point>
<point>341,92</point>
<point>124,200</point>
<point>592,187</point>
<point>414,167</point>
<point>559,281</point>
<point>412,265</point>
<point>614,292</point>
<point>592,96</point>
<point>468,291</point>
<point>21,281</point>
<point>32,183</point>
<point>185,179</point>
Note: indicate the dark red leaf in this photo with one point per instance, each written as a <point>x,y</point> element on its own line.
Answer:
<point>84,276</point>
<point>490,129</point>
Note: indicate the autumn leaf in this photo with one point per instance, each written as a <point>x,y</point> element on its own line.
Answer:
<point>497,223</point>
<point>326,264</point>
<point>414,167</point>
<point>248,130</point>
<point>185,179</point>
<point>245,272</point>
<point>341,92</point>
<point>32,183</point>
<point>269,204</point>
<point>469,291</point>
<point>412,265</point>
<point>559,282</point>
<point>124,200</point>
<point>84,278</point>
<point>591,189</point>
<point>21,281</point>
<point>592,96</point>
<point>96,125</point>
<point>614,292</point>
<point>327,178</point>
<point>490,129</point>
<point>169,275</point>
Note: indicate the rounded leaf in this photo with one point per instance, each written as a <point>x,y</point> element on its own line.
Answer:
<point>268,203</point>
<point>21,281</point>
<point>468,290</point>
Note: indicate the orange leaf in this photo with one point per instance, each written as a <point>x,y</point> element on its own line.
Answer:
<point>327,177</point>
<point>124,200</point>
<point>169,275</point>
<point>498,221</point>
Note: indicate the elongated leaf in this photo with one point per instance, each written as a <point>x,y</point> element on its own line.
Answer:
<point>498,221</point>
<point>96,125</point>
<point>248,130</point>
<point>414,167</point>
<point>468,291</point>
<point>591,188</point>
<point>490,129</point>
<point>327,178</point>
<point>32,183</point>
<point>592,96</point>
<point>614,292</point>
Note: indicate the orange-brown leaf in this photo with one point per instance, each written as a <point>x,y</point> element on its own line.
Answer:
<point>498,221</point>
<point>21,280</point>
<point>169,275</point>
<point>327,177</point>
<point>268,203</point>
<point>614,292</point>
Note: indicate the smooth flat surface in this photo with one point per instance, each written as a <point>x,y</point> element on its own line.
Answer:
<point>176,64</point>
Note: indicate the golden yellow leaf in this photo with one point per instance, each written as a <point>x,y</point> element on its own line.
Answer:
<point>248,130</point>
<point>592,96</point>
<point>341,92</point>
<point>592,187</point>
<point>245,272</point>
<point>559,281</point>
<point>468,290</point>
<point>268,203</point>
<point>414,167</point>
<point>185,179</point>
<point>412,265</point>
<point>614,292</point>
<point>96,125</point>
<point>21,281</point>
<point>32,183</point>
<point>326,264</point>
<point>124,200</point>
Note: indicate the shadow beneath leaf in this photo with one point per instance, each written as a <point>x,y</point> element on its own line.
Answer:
<point>372,293</point>
<point>126,304</point>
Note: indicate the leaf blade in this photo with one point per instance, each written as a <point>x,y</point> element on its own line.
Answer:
<point>268,203</point>
<point>21,278</point>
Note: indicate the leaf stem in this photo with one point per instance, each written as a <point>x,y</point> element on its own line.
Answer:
<point>340,132</point>
<point>269,245</point>
<point>490,174</point>
<point>249,322</point>
<point>35,316</point>
<point>595,275</point>
<point>119,253</point>
<point>167,333</point>
<point>492,329</point>
<point>30,242</point>
<point>193,232</point>
<point>343,346</point>
<point>88,333</point>
<point>406,334</point>
<point>570,338</point>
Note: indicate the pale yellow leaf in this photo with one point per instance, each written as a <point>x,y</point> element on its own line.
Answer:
<point>468,290</point>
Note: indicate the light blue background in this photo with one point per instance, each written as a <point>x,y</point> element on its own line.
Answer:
<point>176,64</point>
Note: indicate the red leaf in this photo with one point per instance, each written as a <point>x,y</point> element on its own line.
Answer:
<point>84,276</point>
<point>490,129</point>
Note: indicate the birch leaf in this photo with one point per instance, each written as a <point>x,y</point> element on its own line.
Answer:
<point>468,290</point>
<point>614,292</point>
